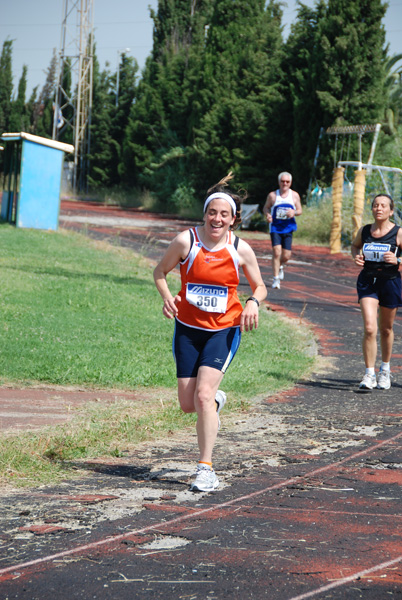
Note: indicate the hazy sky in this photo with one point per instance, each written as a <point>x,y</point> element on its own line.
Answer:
<point>35,28</point>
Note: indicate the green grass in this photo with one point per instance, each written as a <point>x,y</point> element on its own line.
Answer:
<point>73,313</point>
<point>82,313</point>
<point>314,224</point>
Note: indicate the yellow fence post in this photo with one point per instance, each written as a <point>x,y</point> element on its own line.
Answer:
<point>336,226</point>
<point>358,200</point>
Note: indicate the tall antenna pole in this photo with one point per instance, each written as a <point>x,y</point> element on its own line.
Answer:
<point>73,108</point>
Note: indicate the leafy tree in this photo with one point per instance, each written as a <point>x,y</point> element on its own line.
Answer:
<point>128,69</point>
<point>352,57</point>
<point>19,118</point>
<point>239,94</point>
<point>303,117</point>
<point>100,157</point>
<point>110,115</point>
<point>30,109</point>
<point>207,95</point>
<point>43,109</point>
<point>159,127</point>
<point>393,86</point>
<point>339,73</point>
<point>6,85</point>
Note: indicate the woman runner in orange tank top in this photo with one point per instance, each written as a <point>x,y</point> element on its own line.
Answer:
<point>208,313</point>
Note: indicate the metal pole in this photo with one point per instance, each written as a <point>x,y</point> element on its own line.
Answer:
<point>77,46</point>
<point>374,143</point>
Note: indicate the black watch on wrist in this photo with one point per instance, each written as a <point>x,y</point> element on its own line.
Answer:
<point>254,300</point>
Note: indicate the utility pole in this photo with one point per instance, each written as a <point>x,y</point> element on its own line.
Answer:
<point>76,54</point>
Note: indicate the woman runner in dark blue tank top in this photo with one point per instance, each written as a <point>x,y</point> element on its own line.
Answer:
<point>378,288</point>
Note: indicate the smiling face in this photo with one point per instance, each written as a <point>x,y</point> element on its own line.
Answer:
<point>218,218</point>
<point>382,208</point>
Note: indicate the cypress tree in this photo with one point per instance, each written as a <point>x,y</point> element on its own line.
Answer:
<point>128,69</point>
<point>239,94</point>
<point>6,85</point>
<point>30,108</point>
<point>43,111</point>
<point>19,120</point>
<point>159,128</point>
<point>352,57</point>
<point>208,98</point>
<point>302,111</point>
<point>101,157</point>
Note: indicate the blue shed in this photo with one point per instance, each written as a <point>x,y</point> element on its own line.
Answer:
<point>32,180</point>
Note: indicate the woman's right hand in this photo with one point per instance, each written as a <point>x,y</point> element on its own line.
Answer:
<point>359,260</point>
<point>170,307</point>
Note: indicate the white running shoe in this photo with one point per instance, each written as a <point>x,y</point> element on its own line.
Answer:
<point>368,382</point>
<point>205,480</point>
<point>276,284</point>
<point>384,380</point>
<point>220,399</point>
<point>281,272</point>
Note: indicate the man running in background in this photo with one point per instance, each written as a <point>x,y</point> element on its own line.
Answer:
<point>280,209</point>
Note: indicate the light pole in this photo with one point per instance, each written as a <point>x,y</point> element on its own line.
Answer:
<point>119,54</point>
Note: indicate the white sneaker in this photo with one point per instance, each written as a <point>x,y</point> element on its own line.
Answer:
<point>205,480</point>
<point>276,284</point>
<point>220,399</point>
<point>281,272</point>
<point>368,382</point>
<point>384,380</point>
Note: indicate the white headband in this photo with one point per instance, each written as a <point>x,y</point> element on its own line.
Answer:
<point>224,197</point>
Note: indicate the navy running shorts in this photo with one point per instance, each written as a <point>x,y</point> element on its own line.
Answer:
<point>282,239</point>
<point>388,292</point>
<point>195,348</point>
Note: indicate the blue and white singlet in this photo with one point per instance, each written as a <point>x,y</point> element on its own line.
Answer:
<point>280,221</point>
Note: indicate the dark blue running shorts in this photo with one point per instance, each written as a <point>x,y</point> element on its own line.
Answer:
<point>388,292</point>
<point>282,239</point>
<point>195,348</point>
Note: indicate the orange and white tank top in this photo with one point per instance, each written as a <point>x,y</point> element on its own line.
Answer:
<point>209,280</point>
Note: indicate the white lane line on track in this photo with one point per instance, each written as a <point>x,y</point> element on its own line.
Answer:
<point>310,511</point>
<point>342,285</point>
<point>344,580</point>
<point>335,283</point>
<point>317,297</point>
<point>198,513</point>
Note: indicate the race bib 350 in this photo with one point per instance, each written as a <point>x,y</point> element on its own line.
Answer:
<point>210,298</point>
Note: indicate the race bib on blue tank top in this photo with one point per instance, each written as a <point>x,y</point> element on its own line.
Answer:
<point>281,223</point>
<point>282,212</point>
<point>210,298</point>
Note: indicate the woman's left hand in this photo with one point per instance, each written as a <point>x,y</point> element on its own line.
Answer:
<point>249,316</point>
<point>390,257</point>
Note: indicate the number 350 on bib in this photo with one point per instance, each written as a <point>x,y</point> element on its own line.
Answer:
<point>210,298</point>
